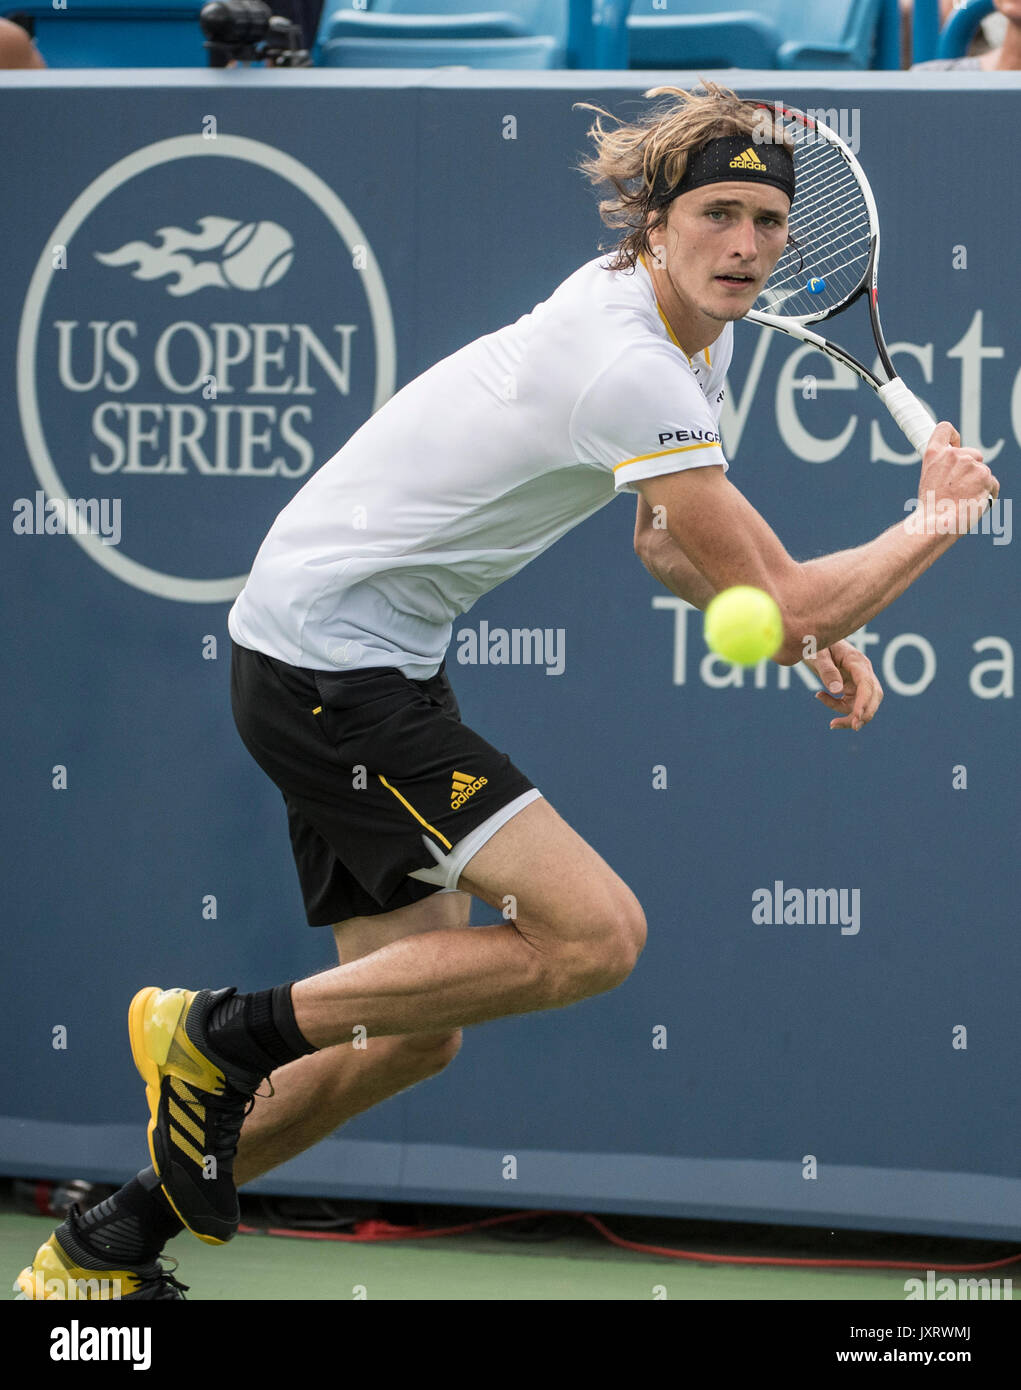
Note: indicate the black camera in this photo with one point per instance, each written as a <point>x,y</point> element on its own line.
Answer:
<point>247,31</point>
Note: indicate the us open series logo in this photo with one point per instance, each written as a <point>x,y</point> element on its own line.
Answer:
<point>206,323</point>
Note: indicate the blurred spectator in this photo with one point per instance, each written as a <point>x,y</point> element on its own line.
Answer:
<point>1004,58</point>
<point>16,47</point>
<point>305,13</point>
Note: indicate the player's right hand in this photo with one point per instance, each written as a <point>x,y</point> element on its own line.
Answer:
<point>954,482</point>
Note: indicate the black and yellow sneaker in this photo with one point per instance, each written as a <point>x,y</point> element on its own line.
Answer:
<point>197,1103</point>
<point>64,1268</point>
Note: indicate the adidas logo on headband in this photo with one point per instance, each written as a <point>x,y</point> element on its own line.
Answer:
<point>725,159</point>
<point>748,159</point>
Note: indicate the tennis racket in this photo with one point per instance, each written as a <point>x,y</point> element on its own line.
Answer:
<point>832,260</point>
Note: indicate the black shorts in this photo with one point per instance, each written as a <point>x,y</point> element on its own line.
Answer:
<point>381,779</point>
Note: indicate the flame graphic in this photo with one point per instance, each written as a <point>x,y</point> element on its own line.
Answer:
<point>259,255</point>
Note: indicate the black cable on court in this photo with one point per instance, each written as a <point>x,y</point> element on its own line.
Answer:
<point>543,1225</point>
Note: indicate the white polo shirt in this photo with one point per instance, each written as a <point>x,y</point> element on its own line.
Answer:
<point>476,467</point>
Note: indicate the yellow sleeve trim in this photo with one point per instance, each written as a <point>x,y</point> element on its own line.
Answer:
<point>684,449</point>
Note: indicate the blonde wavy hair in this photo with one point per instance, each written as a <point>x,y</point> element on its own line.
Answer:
<point>632,157</point>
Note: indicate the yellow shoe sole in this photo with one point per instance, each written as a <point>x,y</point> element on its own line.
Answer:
<point>52,1275</point>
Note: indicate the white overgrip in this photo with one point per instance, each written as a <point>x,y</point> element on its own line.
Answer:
<point>909,412</point>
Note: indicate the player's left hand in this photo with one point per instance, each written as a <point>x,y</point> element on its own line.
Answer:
<point>861,694</point>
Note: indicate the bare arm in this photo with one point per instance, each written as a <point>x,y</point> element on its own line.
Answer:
<point>853,693</point>
<point>726,541</point>
<point>667,562</point>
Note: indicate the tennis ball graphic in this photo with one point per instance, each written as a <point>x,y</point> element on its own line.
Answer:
<point>257,255</point>
<point>743,625</point>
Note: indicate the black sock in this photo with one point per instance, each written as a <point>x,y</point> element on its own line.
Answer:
<point>130,1228</point>
<point>258,1031</point>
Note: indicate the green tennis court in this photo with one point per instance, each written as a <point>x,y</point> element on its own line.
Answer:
<point>575,1265</point>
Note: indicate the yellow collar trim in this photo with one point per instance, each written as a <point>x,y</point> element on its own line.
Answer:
<point>666,321</point>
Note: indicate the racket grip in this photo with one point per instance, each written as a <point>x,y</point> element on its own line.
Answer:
<point>909,412</point>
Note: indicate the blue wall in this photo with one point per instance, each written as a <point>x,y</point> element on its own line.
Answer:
<point>782,1040</point>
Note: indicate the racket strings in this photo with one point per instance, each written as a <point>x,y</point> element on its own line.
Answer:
<point>828,250</point>
<point>831,231</point>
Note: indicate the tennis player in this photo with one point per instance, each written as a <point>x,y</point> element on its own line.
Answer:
<point>398,813</point>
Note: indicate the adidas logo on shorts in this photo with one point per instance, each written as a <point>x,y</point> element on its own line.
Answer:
<point>464,787</point>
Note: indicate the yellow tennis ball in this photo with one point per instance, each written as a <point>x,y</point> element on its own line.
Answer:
<point>743,625</point>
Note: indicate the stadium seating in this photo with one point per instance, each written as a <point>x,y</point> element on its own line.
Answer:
<point>685,34</point>
<point>108,34</point>
<point>770,34</point>
<point>429,33</point>
<point>539,51</point>
<point>961,26</point>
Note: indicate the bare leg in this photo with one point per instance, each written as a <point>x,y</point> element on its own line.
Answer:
<point>316,1094</point>
<point>577,930</point>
